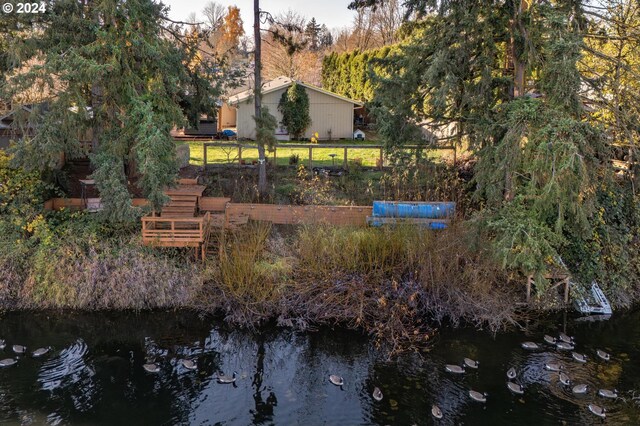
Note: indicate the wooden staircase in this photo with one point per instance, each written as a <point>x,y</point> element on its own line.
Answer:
<point>181,206</point>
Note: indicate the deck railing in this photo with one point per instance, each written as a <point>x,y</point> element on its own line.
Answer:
<point>175,232</point>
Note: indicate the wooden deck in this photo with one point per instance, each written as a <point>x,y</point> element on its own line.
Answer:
<point>177,232</point>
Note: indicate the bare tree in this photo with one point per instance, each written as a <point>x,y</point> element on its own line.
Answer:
<point>284,42</point>
<point>215,13</point>
<point>386,20</point>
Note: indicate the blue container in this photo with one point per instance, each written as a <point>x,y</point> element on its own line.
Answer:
<point>421,210</point>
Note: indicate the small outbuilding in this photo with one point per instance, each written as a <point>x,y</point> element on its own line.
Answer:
<point>332,115</point>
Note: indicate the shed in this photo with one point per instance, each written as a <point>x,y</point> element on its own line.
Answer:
<point>332,115</point>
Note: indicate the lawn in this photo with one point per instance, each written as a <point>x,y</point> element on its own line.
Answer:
<point>321,156</point>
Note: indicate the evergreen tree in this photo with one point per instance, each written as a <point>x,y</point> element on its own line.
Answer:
<point>325,37</point>
<point>294,107</point>
<point>510,85</point>
<point>312,31</point>
<point>116,70</point>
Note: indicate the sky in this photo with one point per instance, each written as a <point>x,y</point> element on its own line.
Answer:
<point>332,13</point>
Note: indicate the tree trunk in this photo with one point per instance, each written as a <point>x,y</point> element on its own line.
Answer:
<point>519,86</point>
<point>519,65</point>
<point>262,164</point>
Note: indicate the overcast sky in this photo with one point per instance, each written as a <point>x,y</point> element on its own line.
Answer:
<point>332,13</point>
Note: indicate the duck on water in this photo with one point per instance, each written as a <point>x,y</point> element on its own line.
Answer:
<point>377,394</point>
<point>603,355</point>
<point>468,362</point>
<point>564,379</point>
<point>477,396</point>
<point>598,411</point>
<point>452,368</point>
<point>436,412</point>
<point>580,389</point>
<point>225,380</point>
<point>515,388</point>
<point>608,393</point>
<point>8,362</point>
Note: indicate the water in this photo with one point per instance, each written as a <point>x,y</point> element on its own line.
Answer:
<point>94,374</point>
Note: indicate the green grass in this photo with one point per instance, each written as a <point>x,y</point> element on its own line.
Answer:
<point>321,156</point>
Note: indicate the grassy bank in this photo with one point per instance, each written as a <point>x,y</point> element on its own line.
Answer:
<point>395,284</point>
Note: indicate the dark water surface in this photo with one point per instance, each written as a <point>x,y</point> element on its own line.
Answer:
<point>94,374</point>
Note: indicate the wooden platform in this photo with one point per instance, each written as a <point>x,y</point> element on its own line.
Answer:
<point>177,232</point>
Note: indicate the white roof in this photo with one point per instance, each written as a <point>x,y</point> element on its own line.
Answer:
<point>282,82</point>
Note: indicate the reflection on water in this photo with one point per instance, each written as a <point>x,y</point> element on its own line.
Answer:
<point>94,374</point>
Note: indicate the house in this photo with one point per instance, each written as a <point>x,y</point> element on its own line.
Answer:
<point>332,115</point>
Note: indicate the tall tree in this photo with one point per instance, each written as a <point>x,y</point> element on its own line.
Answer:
<point>257,97</point>
<point>232,30</point>
<point>286,44</point>
<point>312,31</point>
<point>522,117</point>
<point>116,69</point>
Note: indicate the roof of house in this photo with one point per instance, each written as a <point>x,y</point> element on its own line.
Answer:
<point>282,82</point>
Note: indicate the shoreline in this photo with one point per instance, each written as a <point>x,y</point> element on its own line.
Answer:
<point>394,284</point>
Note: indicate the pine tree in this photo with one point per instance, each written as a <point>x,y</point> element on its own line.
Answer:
<point>312,31</point>
<point>116,70</point>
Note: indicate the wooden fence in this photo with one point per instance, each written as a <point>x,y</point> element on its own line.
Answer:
<point>294,215</point>
<point>311,147</point>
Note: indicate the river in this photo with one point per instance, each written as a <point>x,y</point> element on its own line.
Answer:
<point>94,374</point>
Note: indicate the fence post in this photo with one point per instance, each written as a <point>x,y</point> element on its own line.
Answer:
<point>345,166</point>
<point>310,160</point>
<point>239,154</point>
<point>204,155</point>
<point>381,159</point>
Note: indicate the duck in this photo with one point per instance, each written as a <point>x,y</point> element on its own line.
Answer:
<point>19,349</point>
<point>550,339</point>
<point>468,362</point>
<point>564,346</point>
<point>603,355</point>
<point>511,373</point>
<point>377,394</point>
<point>608,393</point>
<point>189,364</point>
<point>225,380</point>
<point>40,352</point>
<point>3,344</point>
<point>564,379</point>
<point>553,366</point>
<point>8,362</point>
<point>477,396</point>
<point>456,369</point>
<point>579,357</point>
<point>336,380</point>
<point>530,345</point>
<point>436,412</point>
<point>582,388</point>
<point>598,411</point>
<point>151,368</point>
<point>515,388</point>
<point>565,338</point>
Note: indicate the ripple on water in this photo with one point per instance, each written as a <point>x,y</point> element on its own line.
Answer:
<point>66,368</point>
